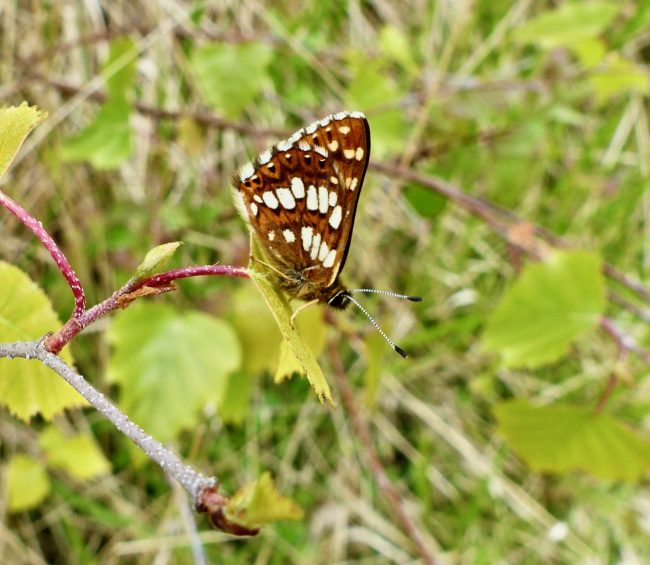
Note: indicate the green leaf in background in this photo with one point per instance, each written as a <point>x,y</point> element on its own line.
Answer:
<point>27,387</point>
<point>235,403</point>
<point>568,24</point>
<point>15,125</point>
<point>256,329</point>
<point>107,141</point>
<point>548,306</point>
<point>616,76</point>
<point>372,87</point>
<point>78,455</point>
<point>26,483</point>
<point>156,259</point>
<point>231,76</point>
<point>277,302</point>
<point>565,438</point>
<point>119,68</point>
<point>169,365</point>
<point>396,46</point>
<point>259,503</point>
<point>424,201</point>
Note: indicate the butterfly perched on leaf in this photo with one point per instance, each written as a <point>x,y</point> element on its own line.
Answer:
<point>300,198</point>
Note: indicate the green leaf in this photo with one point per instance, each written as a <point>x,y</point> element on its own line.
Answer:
<point>373,87</point>
<point>78,455</point>
<point>27,387</point>
<point>550,304</point>
<point>15,125</point>
<point>231,76</point>
<point>235,402</point>
<point>107,141</point>
<point>309,324</point>
<point>565,438</point>
<point>156,260</point>
<point>259,503</point>
<point>256,328</point>
<point>119,68</point>
<point>397,46</point>
<point>618,76</point>
<point>569,23</point>
<point>26,483</point>
<point>169,365</point>
<point>279,306</point>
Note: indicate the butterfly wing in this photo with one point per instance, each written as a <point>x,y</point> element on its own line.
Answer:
<point>300,197</point>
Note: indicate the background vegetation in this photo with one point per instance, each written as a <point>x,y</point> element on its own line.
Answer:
<point>537,107</point>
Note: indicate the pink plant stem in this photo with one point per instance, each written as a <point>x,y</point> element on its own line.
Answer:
<point>120,298</point>
<point>59,258</point>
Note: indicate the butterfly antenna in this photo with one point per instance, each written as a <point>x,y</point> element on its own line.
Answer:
<point>372,321</point>
<point>388,293</point>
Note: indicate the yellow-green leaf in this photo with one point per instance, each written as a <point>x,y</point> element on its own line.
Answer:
<point>564,438</point>
<point>26,483</point>
<point>281,310</point>
<point>78,455</point>
<point>309,323</point>
<point>15,125</point>
<point>259,503</point>
<point>571,22</point>
<point>170,364</point>
<point>548,306</point>
<point>26,386</point>
<point>156,260</point>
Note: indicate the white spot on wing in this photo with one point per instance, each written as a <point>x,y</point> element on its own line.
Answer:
<point>348,153</point>
<point>323,251</point>
<point>304,146</point>
<point>289,236</point>
<point>322,199</point>
<point>257,198</point>
<point>284,145</point>
<point>336,217</point>
<point>321,150</point>
<point>334,180</point>
<point>333,199</point>
<point>254,208</point>
<point>306,235</point>
<point>270,200</point>
<point>357,115</point>
<point>360,153</point>
<point>329,260</point>
<point>353,184</point>
<point>246,171</point>
<point>297,187</point>
<point>340,115</point>
<point>271,235</point>
<point>311,128</point>
<point>344,130</point>
<point>286,198</point>
<point>295,137</point>
<point>315,245</point>
<point>265,157</point>
<point>312,198</point>
<point>333,145</point>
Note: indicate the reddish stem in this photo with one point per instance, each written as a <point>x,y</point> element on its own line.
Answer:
<point>129,292</point>
<point>59,258</point>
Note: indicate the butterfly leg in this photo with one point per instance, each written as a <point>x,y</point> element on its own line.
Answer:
<point>300,309</point>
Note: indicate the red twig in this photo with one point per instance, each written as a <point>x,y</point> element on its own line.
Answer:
<point>59,258</point>
<point>135,288</point>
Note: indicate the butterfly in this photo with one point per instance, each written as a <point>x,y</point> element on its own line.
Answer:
<point>300,198</point>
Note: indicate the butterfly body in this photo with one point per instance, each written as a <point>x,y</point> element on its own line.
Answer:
<point>300,198</point>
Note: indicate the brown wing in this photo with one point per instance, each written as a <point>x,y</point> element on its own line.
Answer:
<point>301,196</point>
